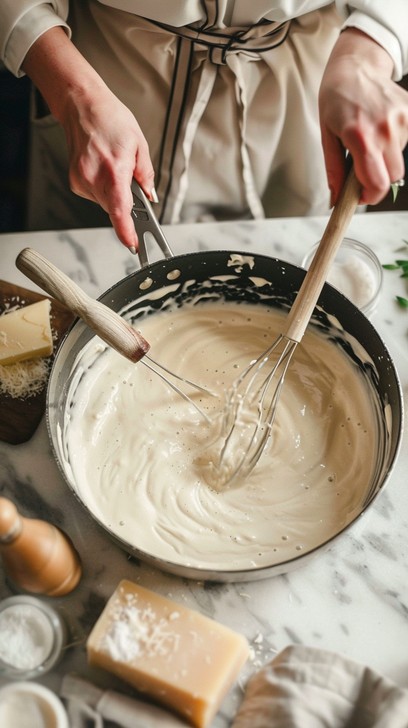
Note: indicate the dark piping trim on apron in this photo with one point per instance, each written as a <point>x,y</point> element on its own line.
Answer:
<point>174,120</point>
<point>256,39</point>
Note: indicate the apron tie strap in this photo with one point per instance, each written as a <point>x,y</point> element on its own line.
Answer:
<point>253,199</point>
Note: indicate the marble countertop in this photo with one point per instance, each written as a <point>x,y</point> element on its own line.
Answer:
<point>352,598</point>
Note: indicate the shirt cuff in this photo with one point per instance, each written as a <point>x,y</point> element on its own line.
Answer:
<point>384,37</point>
<point>30,26</point>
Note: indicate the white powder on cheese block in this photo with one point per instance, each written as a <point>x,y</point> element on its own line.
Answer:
<point>173,654</point>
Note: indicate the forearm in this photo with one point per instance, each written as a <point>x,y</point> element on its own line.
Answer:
<point>355,46</point>
<point>60,72</point>
<point>386,21</point>
<point>22,22</point>
<point>106,146</point>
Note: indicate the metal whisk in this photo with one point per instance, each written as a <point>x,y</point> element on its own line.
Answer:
<point>252,400</point>
<point>105,322</point>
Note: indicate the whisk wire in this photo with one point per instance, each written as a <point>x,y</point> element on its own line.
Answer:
<point>263,422</point>
<point>165,375</point>
<point>235,400</point>
<point>267,424</point>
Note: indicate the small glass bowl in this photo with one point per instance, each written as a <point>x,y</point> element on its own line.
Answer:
<point>356,272</point>
<point>30,624</point>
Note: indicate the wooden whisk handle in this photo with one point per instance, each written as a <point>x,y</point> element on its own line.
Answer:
<point>100,318</point>
<point>305,302</point>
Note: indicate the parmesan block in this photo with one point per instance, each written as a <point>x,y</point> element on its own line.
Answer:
<point>26,333</point>
<point>174,654</point>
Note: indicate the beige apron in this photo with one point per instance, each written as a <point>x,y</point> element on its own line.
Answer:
<point>230,114</point>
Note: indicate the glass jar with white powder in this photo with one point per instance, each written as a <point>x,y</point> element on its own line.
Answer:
<point>32,637</point>
<point>356,272</point>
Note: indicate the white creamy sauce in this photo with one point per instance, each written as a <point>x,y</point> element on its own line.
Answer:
<point>137,449</point>
<point>237,261</point>
<point>144,285</point>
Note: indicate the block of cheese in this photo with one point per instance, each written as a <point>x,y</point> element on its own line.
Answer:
<point>26,333</point>
<point>174,654</point>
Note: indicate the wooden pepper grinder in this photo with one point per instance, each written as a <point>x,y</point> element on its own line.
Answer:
<point>37,556</point>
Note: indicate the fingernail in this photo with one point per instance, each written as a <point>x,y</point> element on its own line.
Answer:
<point>132,250</point>
<point>153,194</point>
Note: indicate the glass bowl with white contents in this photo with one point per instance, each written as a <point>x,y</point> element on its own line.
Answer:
<point>32,637</point>
<point>356,272</point>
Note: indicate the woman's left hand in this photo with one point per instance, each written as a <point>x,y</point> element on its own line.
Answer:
<point>363,111</point>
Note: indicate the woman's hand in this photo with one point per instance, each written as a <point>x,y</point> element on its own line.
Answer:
<point>106,145</point>
<point>106,149</point>
<point>364,111</point>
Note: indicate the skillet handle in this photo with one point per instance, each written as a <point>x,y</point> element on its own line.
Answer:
<point>111,327</point>
<point>147,225</point>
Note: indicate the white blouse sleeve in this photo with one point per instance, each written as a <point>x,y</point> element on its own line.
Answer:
<point>386,21</point>
<point>22,22</point>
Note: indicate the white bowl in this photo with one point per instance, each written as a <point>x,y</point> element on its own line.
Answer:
<point>28,703</point>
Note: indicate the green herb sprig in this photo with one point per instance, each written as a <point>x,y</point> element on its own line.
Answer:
<point>394,190</point>
<point>402,265</point>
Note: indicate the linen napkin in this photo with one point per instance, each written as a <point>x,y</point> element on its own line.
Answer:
<point>304,687</point>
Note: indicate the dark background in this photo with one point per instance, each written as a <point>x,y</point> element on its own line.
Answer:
<point>14,149</point>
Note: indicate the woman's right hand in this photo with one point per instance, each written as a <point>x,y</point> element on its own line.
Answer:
<point>364,111</point>
<point>106,145</point>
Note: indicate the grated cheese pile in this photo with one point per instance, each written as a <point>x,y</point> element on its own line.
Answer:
<point>24,378</point>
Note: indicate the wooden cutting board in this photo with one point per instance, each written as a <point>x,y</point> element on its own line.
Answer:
<point>19,418</point>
